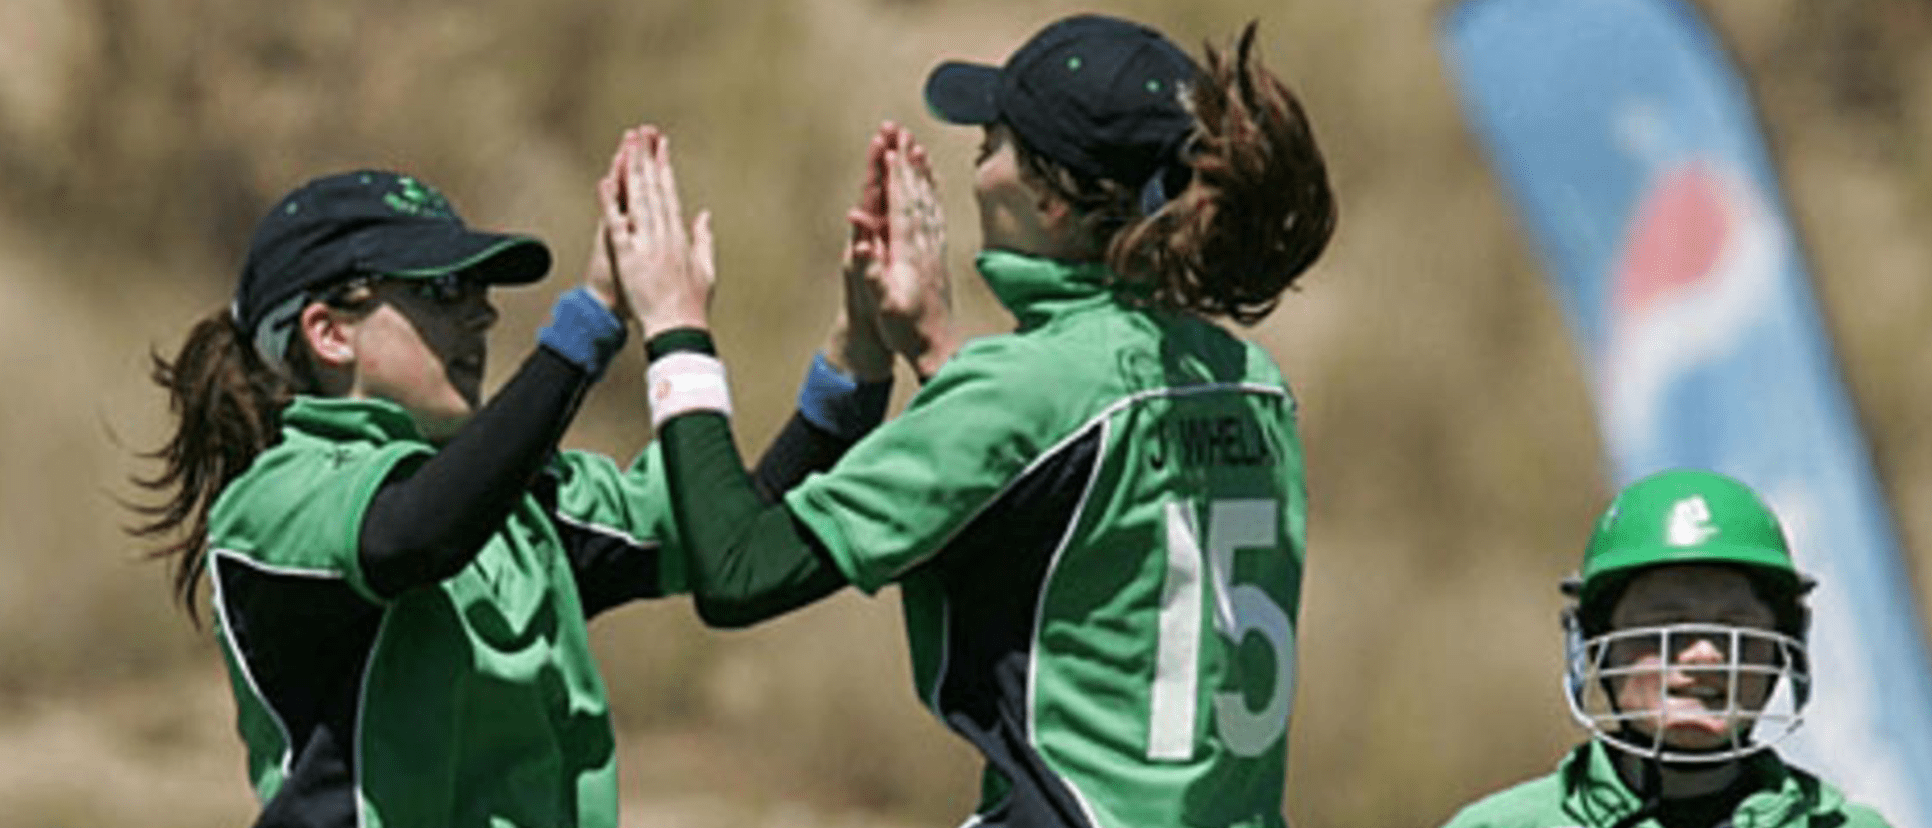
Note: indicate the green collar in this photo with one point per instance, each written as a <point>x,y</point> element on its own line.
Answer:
<point>1036,289</point>
<point>1594,790</point>
<point>339,418</point>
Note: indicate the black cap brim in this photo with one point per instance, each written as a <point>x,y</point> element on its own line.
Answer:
<point>430,250</point>
<point>963,93</point>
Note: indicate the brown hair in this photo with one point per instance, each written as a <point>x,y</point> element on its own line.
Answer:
<point>227,405</point>
<point>1256,212</point>
<point>228,409</point>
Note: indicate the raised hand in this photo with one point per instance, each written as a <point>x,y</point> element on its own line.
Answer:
<point>854,344</point>
<point>600,275</point>
<point>667,271</point>
<point>912,288</point>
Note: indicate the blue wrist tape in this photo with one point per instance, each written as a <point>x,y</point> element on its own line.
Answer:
<point>839,404</point>
<point>583,331</point>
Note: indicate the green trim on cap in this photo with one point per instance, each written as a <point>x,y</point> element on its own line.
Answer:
<point>463,264</point>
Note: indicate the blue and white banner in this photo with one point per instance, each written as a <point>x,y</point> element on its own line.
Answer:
<point>1633,156</point>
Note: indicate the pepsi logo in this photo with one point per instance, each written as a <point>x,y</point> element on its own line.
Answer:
<point>1697,270</point>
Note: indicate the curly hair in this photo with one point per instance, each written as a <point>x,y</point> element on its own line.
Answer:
<point>1256,210</point>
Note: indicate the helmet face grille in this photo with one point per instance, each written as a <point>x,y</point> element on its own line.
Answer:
<point>1687,693</point>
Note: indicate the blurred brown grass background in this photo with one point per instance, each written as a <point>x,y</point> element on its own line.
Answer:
<point>1452,457</point>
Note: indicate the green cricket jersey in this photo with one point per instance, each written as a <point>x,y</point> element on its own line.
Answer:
<point>1586,792</point>
<point>474,701</point>
<point>1098,526</point>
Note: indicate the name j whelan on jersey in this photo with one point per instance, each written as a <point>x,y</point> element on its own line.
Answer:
<point>1220,440</point>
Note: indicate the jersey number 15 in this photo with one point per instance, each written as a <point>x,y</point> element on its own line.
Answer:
<point>1239,609</point>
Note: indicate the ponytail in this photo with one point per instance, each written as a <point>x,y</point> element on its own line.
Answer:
<point>1255,212</point>
<point>228,408</point>
<point>1258,210</point>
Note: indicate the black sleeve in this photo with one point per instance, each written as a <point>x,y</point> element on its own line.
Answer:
<point>799,449</point>
<point>429,519</point>
<point>749,558</point>
<point>610,568</point>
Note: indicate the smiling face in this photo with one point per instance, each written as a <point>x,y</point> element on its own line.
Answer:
<point>1683,677</point>
<point>416,343</point>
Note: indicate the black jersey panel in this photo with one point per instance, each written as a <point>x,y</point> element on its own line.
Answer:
<point>609,568</point>
<point>305,641</point>
<point>321,786</point>
<point>993,572</point>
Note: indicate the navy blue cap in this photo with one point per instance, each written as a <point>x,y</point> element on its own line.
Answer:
<point>371,223</point>
<point>1099,95</point>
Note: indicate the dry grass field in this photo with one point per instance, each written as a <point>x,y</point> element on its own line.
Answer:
<point>1452,457</point>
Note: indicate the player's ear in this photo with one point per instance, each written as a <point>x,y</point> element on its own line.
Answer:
<point>1061,221</point>
<point>1054,210</point>
<point>328,333</point>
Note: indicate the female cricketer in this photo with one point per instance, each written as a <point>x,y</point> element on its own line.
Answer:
<point>401,574</point>
<point>1687,663</point>
<point>1097,519</point>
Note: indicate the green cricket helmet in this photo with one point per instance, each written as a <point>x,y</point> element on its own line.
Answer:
<point>1688,516</point>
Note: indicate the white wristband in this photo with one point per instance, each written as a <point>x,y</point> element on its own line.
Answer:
<point>684,382</point>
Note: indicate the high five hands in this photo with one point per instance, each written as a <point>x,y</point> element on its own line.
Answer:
<point>666,270</point>
<point>899,231</point>
<point>898,295</point>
